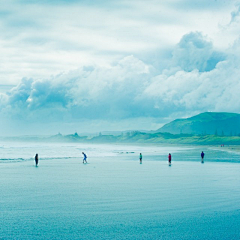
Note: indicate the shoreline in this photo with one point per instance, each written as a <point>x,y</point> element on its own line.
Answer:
<point>22,152</point>
<point>230,148</point>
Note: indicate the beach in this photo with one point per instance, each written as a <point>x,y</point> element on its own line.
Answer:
<point>115,197</point>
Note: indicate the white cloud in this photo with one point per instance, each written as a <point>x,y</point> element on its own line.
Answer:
<point>81,63</point>
<point>128,90</point>
<point>39,39</point>
<point>82,93</point>
<point>191,91</point>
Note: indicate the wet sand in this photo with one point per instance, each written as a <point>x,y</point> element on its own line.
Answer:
<point>115,199</point>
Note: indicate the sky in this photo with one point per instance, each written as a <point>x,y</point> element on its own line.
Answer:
<point>90,66</point>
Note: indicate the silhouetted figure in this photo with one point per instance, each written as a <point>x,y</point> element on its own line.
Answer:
<point>36,159</point>
<point>84,157</point>
<point>140,158</point>
<point>202,156</point>
<point>169,159</point>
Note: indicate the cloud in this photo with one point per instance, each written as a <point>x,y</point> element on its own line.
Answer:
<point>131,89</point>
<point>181,91</point>
<point>40,38</point>
<point>200,5</point>
<point>124,61</point>
<point>90,92</point>
<point>194,51</point>
<point>235,16</point>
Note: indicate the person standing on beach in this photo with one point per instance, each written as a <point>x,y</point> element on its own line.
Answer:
<point>84,157</point>
<point>36,159</point>
<point>169,159</point>
<point>202,156</point>
<point>140,158</point>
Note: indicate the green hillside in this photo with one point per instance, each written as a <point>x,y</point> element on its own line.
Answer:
<point>214,123</point>
<point>208,128</point>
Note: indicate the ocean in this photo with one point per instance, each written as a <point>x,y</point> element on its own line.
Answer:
<point>115,197</point>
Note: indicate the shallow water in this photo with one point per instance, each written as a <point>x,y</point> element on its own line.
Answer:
<point>26,151</point>
<point>115,197</point>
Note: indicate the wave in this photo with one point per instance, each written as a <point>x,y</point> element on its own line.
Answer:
<point>32,159</point>
<point>12,159</point>
<point>50,158</point>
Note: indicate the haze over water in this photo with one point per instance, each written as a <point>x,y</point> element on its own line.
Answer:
<point>115,197</point>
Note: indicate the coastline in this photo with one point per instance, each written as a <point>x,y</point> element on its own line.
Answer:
<point>229,148</point>
<point>133,137</point>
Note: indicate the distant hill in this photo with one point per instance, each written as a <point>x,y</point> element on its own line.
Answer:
<point>215,123</point>
<point>209,128</point>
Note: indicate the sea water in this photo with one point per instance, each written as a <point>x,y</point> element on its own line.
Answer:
<point>116,197</point>
<point>25,151</point>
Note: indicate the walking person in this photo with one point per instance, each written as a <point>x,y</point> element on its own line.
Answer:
<point>36,159</point>
<point>140,158</point>
<point>84,157</point>
<point>169,159</point>
<point>202,156</point>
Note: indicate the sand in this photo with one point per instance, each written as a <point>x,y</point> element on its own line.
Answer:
<point>119,199</point>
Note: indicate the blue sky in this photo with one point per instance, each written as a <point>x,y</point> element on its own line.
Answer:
<point>117,65</point>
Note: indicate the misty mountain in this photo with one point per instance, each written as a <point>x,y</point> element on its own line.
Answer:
<point>216,123</point>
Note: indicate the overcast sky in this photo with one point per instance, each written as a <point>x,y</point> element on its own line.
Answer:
<point>115,65</point>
